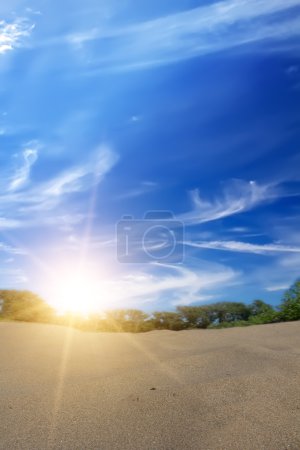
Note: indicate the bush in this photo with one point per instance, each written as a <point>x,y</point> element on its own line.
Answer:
<point>228,312</point>
<point>165,320</point>
<point>24,306</point>
<point>290,307</point>
<point>237,323</point>
<point>193,316</point>
<point>267,317</point>
<point>259,307</point>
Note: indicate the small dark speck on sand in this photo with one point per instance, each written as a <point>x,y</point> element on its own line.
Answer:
<point>152,389</point>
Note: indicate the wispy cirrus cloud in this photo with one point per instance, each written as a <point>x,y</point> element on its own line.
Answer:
<point>190,33</point>
<point>143,188</point>
<point>8,223</point>
<point>10,277</point>
<point>245,247</point>
<point>81,177</point>
<point>44,198</point>
<point>186,284</point>
<point>277,287</point>
<point>178,284</point>
<point>237,197</point>
<point>13,34</point>
<point>22,174</point>
<point>11,250</point>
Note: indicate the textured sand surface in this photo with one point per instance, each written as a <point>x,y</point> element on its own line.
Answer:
<point>218,389</point>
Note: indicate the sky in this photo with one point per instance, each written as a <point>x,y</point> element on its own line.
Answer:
<point>165,131</point>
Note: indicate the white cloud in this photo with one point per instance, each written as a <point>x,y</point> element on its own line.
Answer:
<point>80,178</point>
<point>275,288</point>
<point>239,230</point>
<point>8,223</point>
<point>13,34</point>
<point>175,284</point>
<point>9,277</point>
<point>197,31</point>
<point>11,250</point>
<point>245,247</point>
<point>277,275</point>
<point>238,196</point>
<point>21,177</point>
<point>44,198</point>
<point>184,285</point>
<point>143,188</point>
<point>290,263</point>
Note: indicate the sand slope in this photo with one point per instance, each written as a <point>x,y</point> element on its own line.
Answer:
<point>218,389</point>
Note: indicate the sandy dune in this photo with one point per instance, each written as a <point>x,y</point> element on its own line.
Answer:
<point>221,389</point>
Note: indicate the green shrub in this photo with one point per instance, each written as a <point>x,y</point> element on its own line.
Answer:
<point>266,317</point>
<point>237,323</point>
<point>258,307</point>
<point>290,307</point>
<point>193,316</point>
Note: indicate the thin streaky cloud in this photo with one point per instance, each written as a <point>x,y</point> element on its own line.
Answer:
<point>237,197</point>
<point>7,224</point>
<point>76,179</point>
<point>46,197</point>
<point>192,21</point>
<point>9,277</point>
<point>191,33</point>
<point>12,34</point>
<point>245,247</point>
<point>81,177</point>
<point>22,175</point>
<point>275,288</point>
<point>11,250</point>
<point>144,188</point>
<point>183,285</point>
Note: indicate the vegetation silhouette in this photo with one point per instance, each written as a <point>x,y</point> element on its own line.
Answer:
<point>28,307</point>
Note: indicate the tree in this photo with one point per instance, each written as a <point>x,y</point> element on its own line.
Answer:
<point>290,307</point>
<point>165,320</point>
<point>194,316</point>
<point>135,320</point>
<point>261,312</point>
<point>131,320</point>
<point>228,312</point>
<point>260,307</point>
<point>24,306</point>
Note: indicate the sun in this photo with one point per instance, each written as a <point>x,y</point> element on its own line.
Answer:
<point>77,291</point>
<point>74,295</point>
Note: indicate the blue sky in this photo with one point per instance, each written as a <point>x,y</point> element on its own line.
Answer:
<point>119,108</point>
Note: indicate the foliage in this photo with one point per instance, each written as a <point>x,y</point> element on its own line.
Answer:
<point>259,307</point>
<point>194,316</point>
<point>290,307</point>
<point>164,320</point>
<point>26,306</point>
<point>265,317</point>
<point>228,312</point>
<point>237,323</point>
<point>132,320</point>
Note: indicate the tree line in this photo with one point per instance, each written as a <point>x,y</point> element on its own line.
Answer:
<point>28,307</point>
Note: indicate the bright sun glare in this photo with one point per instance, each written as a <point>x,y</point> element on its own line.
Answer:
<point>78,292</point>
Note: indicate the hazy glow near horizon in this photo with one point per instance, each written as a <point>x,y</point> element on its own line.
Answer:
<point>79,291</point>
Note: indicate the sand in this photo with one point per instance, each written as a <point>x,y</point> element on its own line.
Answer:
<point>201,389</point>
